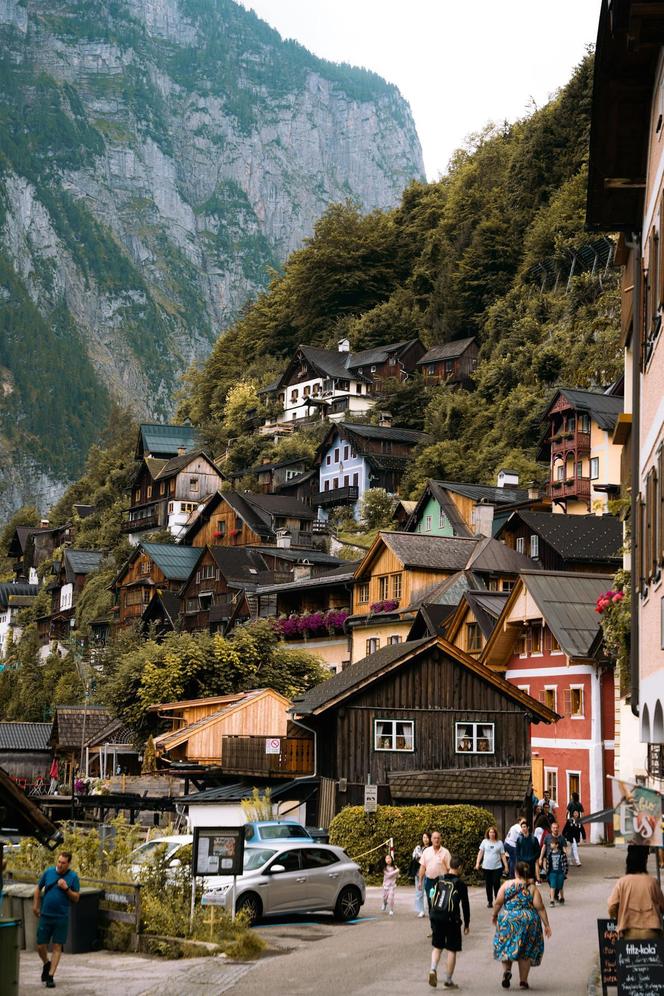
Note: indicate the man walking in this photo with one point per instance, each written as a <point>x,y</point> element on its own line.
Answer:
<point>435,861</point>
<point>452,895</point>
<point>61,887</point>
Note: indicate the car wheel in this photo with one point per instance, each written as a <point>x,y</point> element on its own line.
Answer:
<point>250,905</point>
<point>348,903</point>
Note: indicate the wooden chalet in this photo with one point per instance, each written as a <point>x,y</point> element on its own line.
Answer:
<point>221,588</point>
<point>584,465</point>
<point>30,546</point>
<point>25,753</point>
<point>565,542</point>
<point>231,518</point>
<point>151,568</point>
<point>71,730</point>
<point>270,477</point>
<point>453,508</point>
<point>474,620</point>
<point>70,575</point>
<point>424,722</point>
<point>451,363</point>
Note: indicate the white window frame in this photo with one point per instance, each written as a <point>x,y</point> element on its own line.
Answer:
<point>524,688</point>
<point>594,468</point>
<point>427,523</point>
<point>554,689</point>
<point>370,649</point>
<point>442,522</point>
<point>582,689</point>
<point>568,774</point>
<point>520,544</point>
<point>362,590</point>
<point>474,737</point>
<point>548,784</point>
<point>534,546</point>
<point>540,626</point>
<point>394,639</point>
<point>394,748</point>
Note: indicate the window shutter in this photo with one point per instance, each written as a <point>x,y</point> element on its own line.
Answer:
<point>653,270</point>
<point>661,254</point>
<point>660,502</point>
<point>218,574</point>
<point>198,576</point>
<point>568,702</point>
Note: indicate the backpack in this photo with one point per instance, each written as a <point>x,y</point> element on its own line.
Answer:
<point>445,900</point>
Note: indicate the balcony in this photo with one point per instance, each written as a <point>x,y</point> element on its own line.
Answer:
<point>285,757</point>
<point>574,487</point>
<point>656,760</point>
<point>337,496</point>
<point>568,442</point>
<point>137,525</point>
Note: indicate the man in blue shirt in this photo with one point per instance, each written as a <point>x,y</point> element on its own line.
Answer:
<point>61,887</point>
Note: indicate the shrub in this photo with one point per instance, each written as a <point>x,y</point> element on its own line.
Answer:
<point>462,828</point>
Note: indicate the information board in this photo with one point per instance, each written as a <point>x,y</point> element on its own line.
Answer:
<point>370,798</point>
<point>640,967</point>
<point>218,850</point>
<point>608,936</point>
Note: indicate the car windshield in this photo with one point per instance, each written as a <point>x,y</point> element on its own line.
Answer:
<point>281,830</point>
<point>146,852</point>
<point>256,857</point>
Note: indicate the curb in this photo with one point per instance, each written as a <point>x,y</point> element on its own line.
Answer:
<point>594,985</point>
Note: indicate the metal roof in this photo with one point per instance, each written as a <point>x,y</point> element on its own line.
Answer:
<point>25,736</point>
<point>495,557</point>
<point>603,408</point>
<point>241,563</point>
<point>486,607</point>
<point>300,556</point>
<point>446,351</point>
<point>378,354</point>
<point>577,538</point>
<point>339,575</point>
<point>567,602</point>
<point>484,492</point>
<point>82,561</point>
<point>165,440</point>
<point>175,562</point>
<point>392,433</point>
<point>15,588</point>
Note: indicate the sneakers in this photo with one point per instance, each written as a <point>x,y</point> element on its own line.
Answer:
<point>383,908</point>
<point>46,968</point>
<point>448,984</point>
<point>433,978</point>
<point>552,902</point>
<point>391,913</point>
<point>561,900</point>
<point>420,916</point>
<point>50,982</point>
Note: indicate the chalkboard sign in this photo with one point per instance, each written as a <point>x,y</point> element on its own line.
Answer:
<point>608,935</point>
<point>640,967</point>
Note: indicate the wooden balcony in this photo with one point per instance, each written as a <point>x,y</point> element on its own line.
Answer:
<point>285,757</point>
<point>568,442</point>
<point>337,496</point>
<point>137,525</point>
<point>575,487</point>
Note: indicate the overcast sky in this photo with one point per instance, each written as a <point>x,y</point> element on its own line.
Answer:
<point>459,65</point>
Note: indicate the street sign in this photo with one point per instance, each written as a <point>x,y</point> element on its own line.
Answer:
<point>218,850</point>
<point>273,745</point>
<point>370,798</point>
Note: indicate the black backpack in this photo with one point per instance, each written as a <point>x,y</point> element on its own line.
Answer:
<point>445,900</point>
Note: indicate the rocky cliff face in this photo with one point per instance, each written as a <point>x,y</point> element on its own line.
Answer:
<point>157,159</point>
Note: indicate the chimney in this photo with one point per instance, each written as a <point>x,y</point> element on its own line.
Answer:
<point>343,345</point>
<point>283,539</point>
<point>43,523</point>
<point>533,491</point>
<point>301,572</point>
<point>385,420</point>
<point>181,450</point>
<point>507,479</point>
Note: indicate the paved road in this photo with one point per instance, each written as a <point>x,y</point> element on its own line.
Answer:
<point>376,956</point>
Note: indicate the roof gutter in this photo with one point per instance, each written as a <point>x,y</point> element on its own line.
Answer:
<point>634,243</point>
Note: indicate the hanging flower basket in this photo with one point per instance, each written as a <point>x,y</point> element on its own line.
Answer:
<point>388,605</point>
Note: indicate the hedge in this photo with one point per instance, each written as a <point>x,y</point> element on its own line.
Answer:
<point>461,827</point>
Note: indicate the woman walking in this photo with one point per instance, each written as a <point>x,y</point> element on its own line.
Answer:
<point>492,858</point>
<point>637,902</point>
<point>415,873</point>
<point>528,849</point>
<point>518,916</point>
<point>574,832</point>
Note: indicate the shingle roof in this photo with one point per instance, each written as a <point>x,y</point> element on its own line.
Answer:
<point>379,354</point>
<point>603,408</point>
<point>241,563</point>
<point>82,561</point>
<point>301,556</point>
<point>25,736</point>
<point>456,785</point>
<point>330,362</point>
<point>75,725</point>
<point>175,562</point>
<point>484,492</point>
<point>165,440</point>
<point>495,557</point>
<point>578,538</point>
<point>447,553</point>
<point>392,433</point>
<point>446,351</point>
<point>281,505</point>
<point>15,588</point>
<point>567,602</point>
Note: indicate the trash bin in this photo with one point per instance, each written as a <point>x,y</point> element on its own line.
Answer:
<point>18,906</point>
<point>9,958</point>
<point>84,922</point>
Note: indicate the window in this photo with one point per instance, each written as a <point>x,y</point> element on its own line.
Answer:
<point>474,738</point>
<point>373,369</point>
<point>373,644</point>
<point>363,592</point>
<point>553,644</point>
<point>594,468</point>
<point>307,391</point>
<point>551,783</point>
<point>336,455</point>
<point>328,459</point>
<point>194,485</point>
<point>149,491</point>
<point>493,584</point>
<point>584,423</point>
<point>449,366</point>
<point>507,585</point>
<point>356,480</point>
<point>431,369</point>
<point>573,783</point>
<point>326,486</point>
<point>550,697</point>
<point>536,638</point>
<point>473,637</point>
<point>192,605</point>
<point>335,482</point>
<point>383,587</point>
<point>396,586</point>
<point>145,567</point>
<point>574,702</point>
<point>170,508</point>
<point>346,480</point>
<point>392,361</point>
<point>238,523</point>
<point>520,544</point>
<point>579,468</point>
<point>316,857</point>
<point>187,506</point>
<point>394,734</point>
<point>524,688</point>
<point>560,471</point>
<point>393,640</point>
<point>221,527</point>
<point>522,642</point>
<point>442,522</point>
<point>294,395</point>
<point>571,423</point>
<point>534,546</point>
<point>207,571</point>
<point>162,488</point>
<point>427,523</point>
<point>358,389</point>
<point>345,452</point>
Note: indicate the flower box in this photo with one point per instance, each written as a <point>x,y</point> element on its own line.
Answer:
<point>388,605</point>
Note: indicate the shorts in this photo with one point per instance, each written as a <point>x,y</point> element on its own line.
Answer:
<point>556,880</point>
<point>445,934</point>
<point>52,928</point>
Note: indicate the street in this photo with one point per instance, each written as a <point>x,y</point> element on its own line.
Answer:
<point>375,955</point>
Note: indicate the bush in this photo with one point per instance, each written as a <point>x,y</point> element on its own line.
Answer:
<point>462,828</point>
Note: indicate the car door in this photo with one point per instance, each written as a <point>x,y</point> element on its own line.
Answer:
<point>322,869</point>
<point>286,890</point>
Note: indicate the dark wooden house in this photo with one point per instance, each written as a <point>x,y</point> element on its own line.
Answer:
<point>30,546</point>
<point>24,751</point>
<point>233,518</point>
<point>152,567</point>
<point>68,580</point>
<point>72,728</point>
<point>450,363</point>
<point>270,477</point>
<point>395,361</point>
<point>221,587</point>
<point>425,723</point>
<point>556,542</point>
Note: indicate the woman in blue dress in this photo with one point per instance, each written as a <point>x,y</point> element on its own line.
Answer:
<point>518,914</point>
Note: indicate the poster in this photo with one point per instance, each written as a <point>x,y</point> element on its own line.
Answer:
<point>638,814</point>
<point>218,850</point>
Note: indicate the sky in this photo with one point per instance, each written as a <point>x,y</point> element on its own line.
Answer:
<point>459,65</point>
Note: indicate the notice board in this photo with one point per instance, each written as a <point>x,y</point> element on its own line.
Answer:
<point>640,967</point>
<point>608,936</point>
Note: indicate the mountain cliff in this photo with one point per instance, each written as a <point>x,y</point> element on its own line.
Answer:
<point>158,159</point>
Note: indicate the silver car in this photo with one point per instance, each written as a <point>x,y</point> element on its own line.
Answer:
<point>294,877</point>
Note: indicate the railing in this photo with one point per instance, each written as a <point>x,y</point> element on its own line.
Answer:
<point>566,442</point>
<point>319,527</point>
<point>573,487</point>
<point>287,756</point>
<point>337,496</point>
<point>136,525</point>
<point>656,760</point>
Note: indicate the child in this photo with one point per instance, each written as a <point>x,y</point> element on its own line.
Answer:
<point>390,875</point>
<point>574,832</point>
<point>446,924</point>
<point>557,872</point>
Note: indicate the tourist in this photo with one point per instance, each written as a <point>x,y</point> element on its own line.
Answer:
<point>511,838</point>
<point>415,873</point>
<point>390,875</point>
<point>492,858</point>
<point>546,800</point>
<point>547,814</point>
<point>542,828</point>
<point>556,871</point>
<point>574,805</point>
<point>518,916</point>
<point>435,861</point>
<point>449,896</point>
<point>61,888</point>
<point>574,832</point>
<point>637,902</point>
<point>527,849</point>
<point>545,851</point>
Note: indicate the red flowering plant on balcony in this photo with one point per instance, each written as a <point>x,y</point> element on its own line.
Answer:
<point>311,624</point>
<point>388,605</point>
<point>614,606</point>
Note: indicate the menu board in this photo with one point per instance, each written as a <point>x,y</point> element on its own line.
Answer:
<point>640,967</point>
<point>218,850</point>
<point>608,936</point>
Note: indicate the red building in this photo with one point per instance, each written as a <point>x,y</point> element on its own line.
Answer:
<point>547,642</point>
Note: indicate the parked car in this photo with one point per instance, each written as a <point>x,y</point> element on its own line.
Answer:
<point>174,851</point>
<point>292,877</point>
<point>259,830</point>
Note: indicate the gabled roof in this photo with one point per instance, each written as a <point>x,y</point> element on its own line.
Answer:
<point>162,440</point>
<point>361,432</point>
<point>483,555</point>
<point>603,408</point>
<point>436,490</point>
<point>259,511</point>
<point>25,736</point>
<point>344,684</point>
<point>74,725</point>
<point>485,493</point>
<point>78,562</point>
<point>486,607</point>
<point>446,351</point>
<point>11,589</point>
<point>175,562</point>
<point>431,620</point>
<point>492,556</point>
<point>166,741</point>
<point>176,464</point>
<point>241,563</point>
<point>379,354</point>
<point>591,539</point>
<point>170,604</point>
